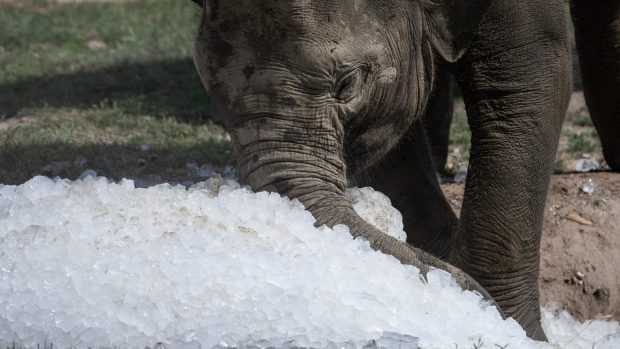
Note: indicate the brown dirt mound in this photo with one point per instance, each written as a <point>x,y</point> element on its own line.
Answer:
<point>580,249</point>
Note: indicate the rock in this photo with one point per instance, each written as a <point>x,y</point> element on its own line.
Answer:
<point>88,173</point>
<point>95,43</point>
<point>574,217</point>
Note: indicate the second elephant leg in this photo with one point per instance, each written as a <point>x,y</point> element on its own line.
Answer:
<point>407,176</point>
<point>597,34</point>
<point>515,79</point>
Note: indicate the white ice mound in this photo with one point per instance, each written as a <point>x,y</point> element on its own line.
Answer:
<point>377,209</point>
<point>97,264</point>
<point>567,333</point>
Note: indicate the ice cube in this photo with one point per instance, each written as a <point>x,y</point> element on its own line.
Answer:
<point>589,186</point>
<point>586,165</point>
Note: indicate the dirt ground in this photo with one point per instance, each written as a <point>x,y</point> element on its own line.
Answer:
<point>580,249</point>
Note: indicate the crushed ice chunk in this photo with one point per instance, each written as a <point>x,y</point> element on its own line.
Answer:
<point>88,173</point>
<point>567,333</point>
<point>589,186</point>
<point>230,172</point>
<point>586,165</point>
<point>377,209</point>
<point>191,165</point>
<point>205,171</point>
<point>461,175</point>
<point>93,263</point>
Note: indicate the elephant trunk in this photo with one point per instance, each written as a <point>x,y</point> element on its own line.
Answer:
<point>297,164</point>
<point>308,166</point>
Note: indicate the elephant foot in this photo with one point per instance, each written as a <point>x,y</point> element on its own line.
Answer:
<point>536,332</point>
<point>612,157</point>
<point>515,294</point>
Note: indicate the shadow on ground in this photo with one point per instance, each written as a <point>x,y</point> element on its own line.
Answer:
<point>157,88</point>
<point>115,161</point>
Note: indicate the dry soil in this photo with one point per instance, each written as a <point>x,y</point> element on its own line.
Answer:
<point>580,248</point>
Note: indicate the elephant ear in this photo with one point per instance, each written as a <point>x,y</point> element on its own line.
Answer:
<point>452,24</point>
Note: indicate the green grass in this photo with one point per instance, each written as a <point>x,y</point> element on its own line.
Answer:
<point>40,38</point>
<point>146,66</point>
<point>559,166</point>
<point>109,141</point>
<point>580,143</point>
<point>101,104</point>
<point>460,136</point>
<point>582,120</point>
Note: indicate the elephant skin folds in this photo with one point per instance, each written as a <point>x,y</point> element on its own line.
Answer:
<point>578,268</point>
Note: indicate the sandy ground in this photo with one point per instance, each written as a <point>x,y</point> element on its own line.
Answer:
<point>580,249</point>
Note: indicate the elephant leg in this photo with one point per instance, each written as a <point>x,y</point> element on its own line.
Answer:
<point>406,175</point>
<point>597,34</point>
<point>438,117</point>
<point>516,82</point>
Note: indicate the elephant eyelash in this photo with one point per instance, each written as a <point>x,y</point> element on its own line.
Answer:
<point>348,84</point>
<point>346,88</point>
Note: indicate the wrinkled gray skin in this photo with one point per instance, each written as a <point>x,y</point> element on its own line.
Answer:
<point>597,34</point>
<point>316,94</point>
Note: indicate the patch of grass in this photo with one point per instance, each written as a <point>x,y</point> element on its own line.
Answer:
<point>41,38</point>
<point>144,67</point>
<point>578,136</point>
<point>559,166</point>
<point>583,121</point>
<point>581,143</point>
<point>108,141</point>
<point>109,125</point>
<point>93,106</point>
<point>579,119</point>
<point>159,88</point>
<point>460,136</point>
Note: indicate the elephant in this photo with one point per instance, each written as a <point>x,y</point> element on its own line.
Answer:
<point>318,95</point>
<point>597,37</point>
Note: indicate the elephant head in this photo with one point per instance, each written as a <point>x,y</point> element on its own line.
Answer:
<point>312,92</point>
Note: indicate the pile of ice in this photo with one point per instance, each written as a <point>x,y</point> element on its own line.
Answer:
<point>377,210</point>
<point>98,264</point>
<point>567,333</point>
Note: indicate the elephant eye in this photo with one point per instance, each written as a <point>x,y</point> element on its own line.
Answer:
<point>348,85</point>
